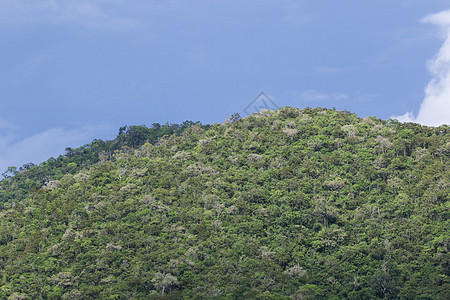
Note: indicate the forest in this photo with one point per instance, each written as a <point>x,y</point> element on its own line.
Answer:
<point>310,203</point>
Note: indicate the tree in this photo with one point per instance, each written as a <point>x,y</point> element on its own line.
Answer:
<point>10,172</point>
<point>164,281</point>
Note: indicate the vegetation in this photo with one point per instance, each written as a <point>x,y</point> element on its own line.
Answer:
<point>290,204</point>
<point>30,178</point>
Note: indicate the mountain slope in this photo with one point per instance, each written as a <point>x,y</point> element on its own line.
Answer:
<point>303,204</point>
<point>17,184</point>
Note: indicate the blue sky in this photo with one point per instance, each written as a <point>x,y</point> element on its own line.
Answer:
<point>75,70</point>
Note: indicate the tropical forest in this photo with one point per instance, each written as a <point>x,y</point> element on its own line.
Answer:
<point>293,203</point>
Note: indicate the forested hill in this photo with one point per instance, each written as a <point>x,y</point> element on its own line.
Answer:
<point>289,204</point>
<point>30,177</point>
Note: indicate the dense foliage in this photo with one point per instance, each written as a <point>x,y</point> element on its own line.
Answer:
<point>290,204</point>
<point>18,183</point>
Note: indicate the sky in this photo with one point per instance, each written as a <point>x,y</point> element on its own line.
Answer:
<point>75,70</point>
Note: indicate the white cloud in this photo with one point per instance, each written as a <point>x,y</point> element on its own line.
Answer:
<point>42,146</point>
<point>99,14</point>
<point>435,108</point>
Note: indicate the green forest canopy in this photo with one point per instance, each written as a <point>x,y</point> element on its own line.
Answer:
<point>286,204</point>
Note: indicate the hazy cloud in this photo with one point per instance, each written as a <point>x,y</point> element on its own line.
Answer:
<point>42,146</point>
<point>5,125</point>
<point>315,96</point>
<point>327,70</point>
<point>133,14</point>
<point>435,108</point>
<point>89,13</point>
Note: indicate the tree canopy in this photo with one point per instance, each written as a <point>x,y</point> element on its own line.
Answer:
<point>286,204</point>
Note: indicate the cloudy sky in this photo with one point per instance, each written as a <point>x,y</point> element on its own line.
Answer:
<point>75,70</point>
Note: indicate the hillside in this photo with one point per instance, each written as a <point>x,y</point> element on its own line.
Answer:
<point>29,178</point>
<point>290,204</point>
